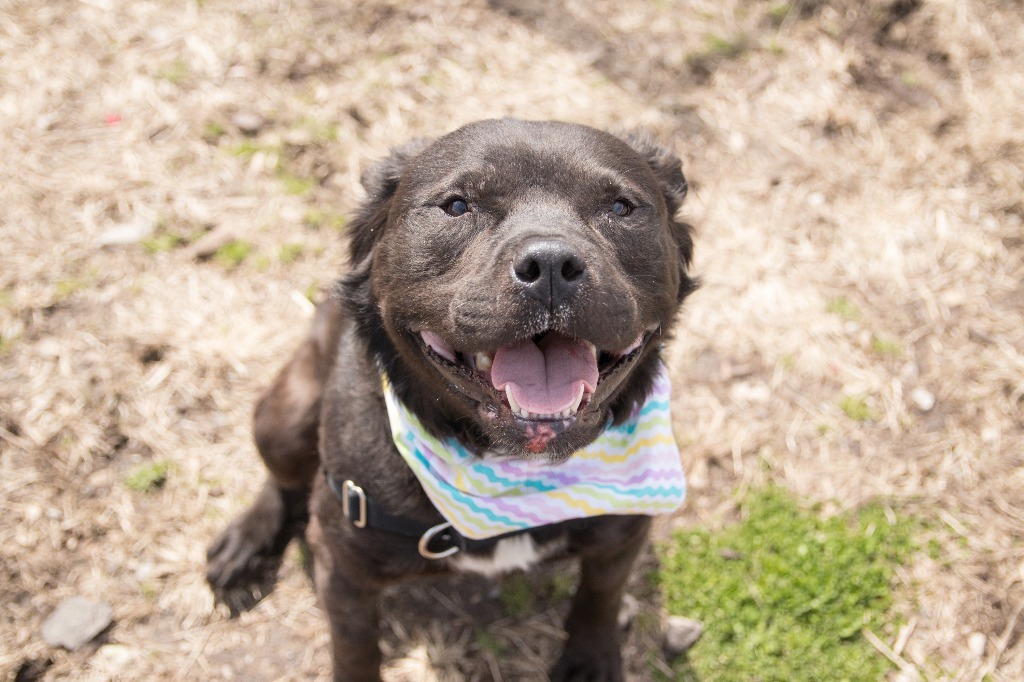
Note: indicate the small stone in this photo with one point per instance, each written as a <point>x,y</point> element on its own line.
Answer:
<point>628,610</point>
<point>976,643</point>
<point>126,233</point>
<point>144,572</point>
<point>750,392</point>
<point>923,399</point>
<point>737,143</point>
<point>910,372</point>
<point>113,659</point>
<point>49,347</point>
<point>681,634</point>
<point>76,622</point>
<point>248,122</point>
<point>730,554</point>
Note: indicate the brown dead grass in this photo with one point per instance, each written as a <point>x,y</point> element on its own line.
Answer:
<point>869,153</point>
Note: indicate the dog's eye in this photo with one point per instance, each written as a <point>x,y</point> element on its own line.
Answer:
<point>622,208</point>
<point>455,207</point>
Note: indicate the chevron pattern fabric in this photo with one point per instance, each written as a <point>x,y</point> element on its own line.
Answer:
<point>633,468</point>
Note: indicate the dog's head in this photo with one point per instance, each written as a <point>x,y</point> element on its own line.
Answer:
<point>515,279</point>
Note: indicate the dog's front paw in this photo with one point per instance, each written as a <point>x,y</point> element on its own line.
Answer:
<point>235,554</point>
<point>252,543</point>
<point>589,664</point>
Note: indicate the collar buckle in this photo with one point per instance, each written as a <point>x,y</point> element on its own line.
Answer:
<point>351,493</point>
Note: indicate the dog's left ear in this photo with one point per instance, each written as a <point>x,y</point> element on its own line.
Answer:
<point>668,169</point>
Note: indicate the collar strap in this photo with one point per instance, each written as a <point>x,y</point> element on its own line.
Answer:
<point>435,541</point>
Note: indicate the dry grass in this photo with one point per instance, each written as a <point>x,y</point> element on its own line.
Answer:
<point>858,172</point>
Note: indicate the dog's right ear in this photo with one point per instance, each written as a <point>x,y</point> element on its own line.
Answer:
<point>380,180</point>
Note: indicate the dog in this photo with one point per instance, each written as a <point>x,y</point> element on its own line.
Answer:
<point>510,286</point>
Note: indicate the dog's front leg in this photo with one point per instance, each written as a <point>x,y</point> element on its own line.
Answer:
<point>349,597</point>
<point>354,631</point>
<point>592,651</point>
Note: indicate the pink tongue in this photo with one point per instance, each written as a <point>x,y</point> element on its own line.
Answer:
<point>546,376</point>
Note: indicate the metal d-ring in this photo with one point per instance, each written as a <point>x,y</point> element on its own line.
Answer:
<point>428,536</point>
<point>348,489</point>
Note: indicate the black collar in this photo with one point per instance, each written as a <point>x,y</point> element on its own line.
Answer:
<point>435,542</point>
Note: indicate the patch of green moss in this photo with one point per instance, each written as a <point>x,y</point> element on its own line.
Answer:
<point>232,254</point>
<point>559,587</point>
<point>485,641</point>
<point>312,291</point>
<point>778,13</point>
<point>792,596</point>
<point>295,184</point>
<point>67,287</point>
<point>856,408</point>
<point>213,131</point>
<point>176,71</point>
<point>844,308</point>
<point>248,148</point>
<point>515,595</point>
<point>884,346</point>
<point>303,556</point>
<point>320,131</point>
<point>161,242</point>
<point>147,476</point>
<point>725,47</point>
<point>289,253</point>
<point>316,218</point>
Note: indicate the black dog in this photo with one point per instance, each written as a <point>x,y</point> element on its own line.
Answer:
<point>504,249</point>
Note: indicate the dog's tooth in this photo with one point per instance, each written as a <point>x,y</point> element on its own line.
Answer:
<point>518,411</point>
<point>592,348</point>
<point>512,401</point>
<point>576,403</point>
<point>483,361</point>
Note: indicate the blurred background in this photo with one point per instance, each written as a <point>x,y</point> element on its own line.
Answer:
<point>175,184</point>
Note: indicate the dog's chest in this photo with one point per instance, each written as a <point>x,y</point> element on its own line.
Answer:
<point>511,554</point>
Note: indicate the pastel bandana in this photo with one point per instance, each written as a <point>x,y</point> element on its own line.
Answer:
<point>632,468</point>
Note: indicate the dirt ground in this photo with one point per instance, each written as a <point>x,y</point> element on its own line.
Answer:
<point>857,173</point>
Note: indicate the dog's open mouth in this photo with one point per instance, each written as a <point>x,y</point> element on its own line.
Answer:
<point>549,377</point>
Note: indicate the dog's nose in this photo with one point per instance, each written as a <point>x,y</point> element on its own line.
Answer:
<point>549,271</point>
